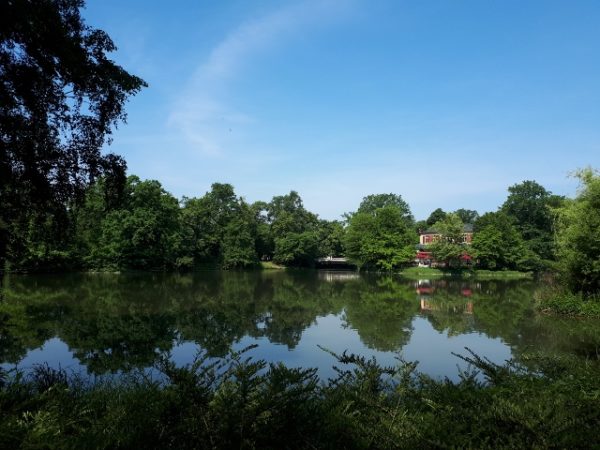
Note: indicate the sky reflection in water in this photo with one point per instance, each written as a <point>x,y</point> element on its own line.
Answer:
<point>110,324</point>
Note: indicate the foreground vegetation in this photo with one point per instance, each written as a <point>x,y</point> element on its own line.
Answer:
<point>562,301</point>
<point>578,248</point>
<point>240,403</point>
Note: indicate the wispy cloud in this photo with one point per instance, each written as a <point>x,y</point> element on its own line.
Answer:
<point>201,113</point>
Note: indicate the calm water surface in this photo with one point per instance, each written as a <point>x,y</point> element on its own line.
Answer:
<point>100,324</point>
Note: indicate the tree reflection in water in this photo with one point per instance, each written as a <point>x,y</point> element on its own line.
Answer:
<point>119,322</point>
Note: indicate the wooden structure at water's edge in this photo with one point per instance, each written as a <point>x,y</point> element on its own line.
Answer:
<point>331,262</point>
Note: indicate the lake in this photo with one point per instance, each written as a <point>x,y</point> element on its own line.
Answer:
<point>107,324</point>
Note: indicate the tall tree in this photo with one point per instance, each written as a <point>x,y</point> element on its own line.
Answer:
<point>293,230</point>
<point>297,249</point>
<point>239,239</point>
<point>220,228</point>
<point>450,248</point>
<point>498,244</point>
<point>436,216</point>
<point>372,203</point>
<point>529,203</point>
<point>578,235</point>
<point>145,233</point>
<point>101,199</point>
<point>265,246</point>
<point>331,238</point>
<point>467,215</point>
<point>383,238</point>
<point>286,214</point>
<point>60,98</point>
<point>420,226</point>
<point>451,228</point>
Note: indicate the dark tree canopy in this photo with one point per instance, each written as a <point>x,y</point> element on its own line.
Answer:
<point>60,97</point>
<point>467,215</point>
<point>293,230</point>
<point>220,227</point>
<point>498,244</point>
<point>381,233</point>
<point>372,203</point>
<point>529,203</point>
<point>578,236</point>
<point>436,216</point>
<point>331,238</point>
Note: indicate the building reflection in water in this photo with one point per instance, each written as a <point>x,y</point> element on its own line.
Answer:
<point>332,275</point>
<point>425,290</point>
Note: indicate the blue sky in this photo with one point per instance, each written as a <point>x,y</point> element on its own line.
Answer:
<point>444,102</point>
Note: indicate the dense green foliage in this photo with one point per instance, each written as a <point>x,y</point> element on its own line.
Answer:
<point>437,215</point>
<point>133,224</point>
<point>578,249</point>
<point>242,403</point>
<point>60,97</point>
<point>381,234</point>
<point>219,228</point>
<point>141,226</point>
<point>467,215</point>
<point>371,203</point>
<point>498,244</point>
<point>450,248</point>
<point>560,300</point>
<point>143,233</point>
<point>578,236</point>
<point>331,238</point>
<point>293,230</point>
<point>529,204</point>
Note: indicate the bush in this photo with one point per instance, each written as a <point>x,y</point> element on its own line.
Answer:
<point>240,403</point>
<point>563,301</point>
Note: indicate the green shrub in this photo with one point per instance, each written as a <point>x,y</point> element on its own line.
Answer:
<point>564,301</point>
<point>237,402</point>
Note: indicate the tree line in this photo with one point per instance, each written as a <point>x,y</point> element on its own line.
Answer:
<point>136,224</point>
<point>518,236</point>
<point>142,226</point>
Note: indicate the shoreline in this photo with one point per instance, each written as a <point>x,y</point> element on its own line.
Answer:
<point>410,272</point>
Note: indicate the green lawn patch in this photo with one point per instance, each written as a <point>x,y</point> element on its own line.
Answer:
<point>502,274</point>
<point>270,265</point>
<point>423,272</point>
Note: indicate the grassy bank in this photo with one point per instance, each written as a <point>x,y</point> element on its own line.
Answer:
<point>240,403</point>
<point>428,272</point>
<point>270,265</point>
<point>502,275</point>
<point>560,301</point>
